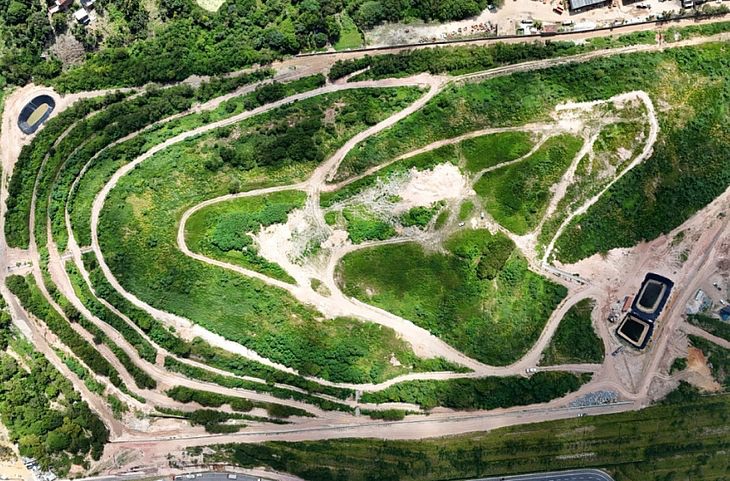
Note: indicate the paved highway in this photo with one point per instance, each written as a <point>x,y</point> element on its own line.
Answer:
<point>572,475</point>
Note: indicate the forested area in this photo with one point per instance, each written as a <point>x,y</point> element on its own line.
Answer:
<point>151,43</point>
<point>43,414</point>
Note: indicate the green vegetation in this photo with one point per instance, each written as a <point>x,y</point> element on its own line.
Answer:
<point>194,372</point>
<point>139,225</point>
<point>655,444</point>
<point>482,393</point>
<point>112,158</point>
<point>679,364</point>
<point>490,150</point>
<point>364,225</point>
<point>481,297</point>
<point>460,60</point>
<point>350,36</point>
<point>466,209</point>
<point>517,195</point>
<point>222,230</point>
<point>44,416</point>
<point>80,370</point>
<point>28,165</point>
<point>710,324</point>
<point>688,167</point>
<point>145,350</point>
<point>717,357</point>
<point>575,340</point>
<point>210,399</point>
<point>420,216</point>
<point>30,296</point>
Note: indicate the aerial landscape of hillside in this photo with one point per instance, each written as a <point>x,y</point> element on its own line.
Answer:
<point>364,240</point>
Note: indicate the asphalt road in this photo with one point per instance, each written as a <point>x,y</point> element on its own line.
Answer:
<point>572,475</point>
<point>216,477</point>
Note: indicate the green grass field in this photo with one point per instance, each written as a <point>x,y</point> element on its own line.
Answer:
<point>518,195</point>
<point>480,298</point>
<point>575,340</point>
<point>222,230</point>
<point>658,443</point>
<point>138,231</point>
<point>350,36</point>
<point>489,150</point>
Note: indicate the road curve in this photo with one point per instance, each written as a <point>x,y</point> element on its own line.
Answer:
<point>571,475</point>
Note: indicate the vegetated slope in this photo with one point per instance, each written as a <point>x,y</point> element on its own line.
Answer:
<point>480,297</point>
<point>575,341</point>
<point>111,159</point>
<point>717,357</point>
<point>686,171</point>
<point>139,224</point>
<point>484,393</point>
<point>223,230</point>
<point>616,145</point>
<point>656,443</point>
<point>517,195</point>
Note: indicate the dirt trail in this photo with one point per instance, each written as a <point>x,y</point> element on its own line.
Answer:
<point>697,331</point>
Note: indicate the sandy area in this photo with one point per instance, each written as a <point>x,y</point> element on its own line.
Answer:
<point>423,188</point>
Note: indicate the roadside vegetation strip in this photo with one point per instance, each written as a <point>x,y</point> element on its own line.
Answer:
<point>216,422</point>
<point>483,393</point>
<point>140,377</point>
<point>518,195</point>
<point>209,399</point>
<point>575,340</point>
<point>145,350</point>
<point>490,150</point>
<point>161,188</point>
<point>224,230</point>
<point>42,412</point>
<point>26,290</point>
<point>194,372</point>
<point>712,325</point>
<point>654,443</point>
<point>471,58</point>
<point>480,296</point>
<point>100,168</point>
<point>91,136</point>
<point>27,167</point>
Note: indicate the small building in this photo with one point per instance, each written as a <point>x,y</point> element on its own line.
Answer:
<point>725,313</point>
<point>580,5</point>
<point>82,16</point>
<point>87,4</point>
<point>627,303</point>
<point>59,6</point>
